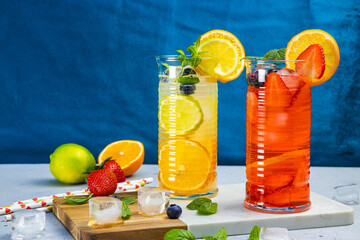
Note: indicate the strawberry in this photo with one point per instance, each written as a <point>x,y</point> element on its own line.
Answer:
<point>102,182</point>
<point>314,62</point>
<point>116,169</point>
<point>276,92</point>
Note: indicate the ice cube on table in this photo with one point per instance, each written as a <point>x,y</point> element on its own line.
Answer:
<point>274,234</point>
<point>347,194</point>
<point>153,201</point>
<point>28,224</point>
<point>105,212</point>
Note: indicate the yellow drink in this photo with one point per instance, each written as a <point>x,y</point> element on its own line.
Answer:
<point>187,132</point>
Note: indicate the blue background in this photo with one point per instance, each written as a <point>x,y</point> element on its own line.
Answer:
<point>85,72</point>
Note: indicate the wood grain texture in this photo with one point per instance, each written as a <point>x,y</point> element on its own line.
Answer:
<point>75,218</point>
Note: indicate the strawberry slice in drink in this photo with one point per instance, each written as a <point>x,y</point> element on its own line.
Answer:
<point>313,62</point>
<point>292,80</point>
<point>277,94</point>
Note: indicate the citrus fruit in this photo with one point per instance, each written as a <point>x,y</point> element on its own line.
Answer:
<point>180,115</point>
<point>128,154</point>
<point>303,40</point>
<point>191,162</point>
<point>223,58</point>
<point>70,161</point>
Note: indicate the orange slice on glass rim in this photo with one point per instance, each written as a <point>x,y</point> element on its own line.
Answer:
<point>128,154</point>
<point>303,40</point>
<point>223,60</point>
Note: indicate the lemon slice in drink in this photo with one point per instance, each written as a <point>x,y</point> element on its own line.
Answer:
<point>180,115</point>
<point>190,163</point>
<point>223,58</point>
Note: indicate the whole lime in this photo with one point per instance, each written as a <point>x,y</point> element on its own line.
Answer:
<point>70,161</point>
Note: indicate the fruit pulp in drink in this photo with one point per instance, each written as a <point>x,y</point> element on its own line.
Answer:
<point>187,137</point>
<point>278,144</point>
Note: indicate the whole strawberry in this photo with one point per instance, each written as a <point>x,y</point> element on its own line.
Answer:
<point>102,182</point>
<point>116,169</point>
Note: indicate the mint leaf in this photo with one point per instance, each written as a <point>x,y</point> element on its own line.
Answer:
<point>166,65</point>
<point>179,234</point>
<point>77,201</point>
<point>207,237</point>
<point>192,49</point>
<point>181,52</point>
<point>275,54</point>
<point>126,213</point>
<point>196,203</point>
<point>188,79</point>
<point>207,208</point>
<point>255,233</point>
<point>197,43</point>
<point>128,200</point>
<point>221,235</point>
<point>195,60</point>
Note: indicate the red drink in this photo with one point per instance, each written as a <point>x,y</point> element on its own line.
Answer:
<point>278,139</point>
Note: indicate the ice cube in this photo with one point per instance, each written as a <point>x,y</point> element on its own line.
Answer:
<point>347,194</point>
<point>28,224</point>
<point>274,234</point>
<point>105,212</point>
<point>291,79</point>
<point>153,201</point>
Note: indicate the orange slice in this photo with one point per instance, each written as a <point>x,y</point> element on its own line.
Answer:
<point>224,58</point>
<point>127,153</point>
<point>303,40</point>
<point>187,164</point>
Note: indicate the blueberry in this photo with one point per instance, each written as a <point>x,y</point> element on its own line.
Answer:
<point>166,72</point>
<point>253,79</point>
<point>116,197</point>
<point>174,211</point>
<point>271,70</point>
<point>187,89</point>
<point>188,71</point>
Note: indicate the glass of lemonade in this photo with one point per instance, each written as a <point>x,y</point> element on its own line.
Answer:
<point>277,138</point>
<point>187,130</point>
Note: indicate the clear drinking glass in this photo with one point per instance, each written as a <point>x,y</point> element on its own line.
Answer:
<point>187,130</point>
<point>277,138</point>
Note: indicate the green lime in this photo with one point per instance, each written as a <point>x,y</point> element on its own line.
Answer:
<point>180,115</point>
<point>70,161</point>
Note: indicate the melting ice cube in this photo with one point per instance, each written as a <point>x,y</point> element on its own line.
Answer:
<point>274,234</point>
<point>347,194</point>
<point>28,224</point>
<point>105,212</point>
<point>153,201</point>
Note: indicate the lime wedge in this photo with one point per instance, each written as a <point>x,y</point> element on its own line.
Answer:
<point>180,115</point>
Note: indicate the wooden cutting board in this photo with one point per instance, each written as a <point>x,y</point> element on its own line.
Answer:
<point>75,218</point>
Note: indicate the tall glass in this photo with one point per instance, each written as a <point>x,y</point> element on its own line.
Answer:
<point>277,138</point>
<point>187,130</point>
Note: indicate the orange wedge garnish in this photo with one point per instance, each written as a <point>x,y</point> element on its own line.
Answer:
<point>127,153</point>
<point>303,40</point>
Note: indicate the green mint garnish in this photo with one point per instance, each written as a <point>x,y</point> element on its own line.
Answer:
<point>77,201</point>
<point>125,211</point>
<point>275,54</point>
<point>207,208</point>
<point>128,200</point>
<point>179,234</point>
<point>166,65</point>
<point>196,203</point>
<point>188,79</point>
<point>221,235</point>
<point>255,233</point>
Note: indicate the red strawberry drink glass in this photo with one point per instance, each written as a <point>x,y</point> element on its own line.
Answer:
<point>277,138</point>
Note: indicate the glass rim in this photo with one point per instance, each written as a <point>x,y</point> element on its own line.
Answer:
<point>270,61</point>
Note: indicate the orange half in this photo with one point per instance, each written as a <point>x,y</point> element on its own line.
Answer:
<point>303,40</point>
<point>128,154</point>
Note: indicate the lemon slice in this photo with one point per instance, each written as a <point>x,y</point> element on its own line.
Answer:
<point>180,115</point>
<point>223,58</point>
<point>190,165</point>
<point>303,40</point>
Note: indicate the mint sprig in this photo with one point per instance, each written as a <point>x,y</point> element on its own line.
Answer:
<point>78,201</point>
<point>196,203</point>
<point>128,200</point>
<point>126,213</point>
<point>204,206</point>
<point>275,54</point>
<point>179,234</point>
<point>255,233</point>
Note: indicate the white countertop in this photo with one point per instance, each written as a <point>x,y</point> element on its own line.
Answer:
<point>24,181</point>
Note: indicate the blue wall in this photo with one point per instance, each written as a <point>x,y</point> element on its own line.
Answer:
<point>84,72</point>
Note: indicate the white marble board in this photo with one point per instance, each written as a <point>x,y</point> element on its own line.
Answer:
<point>236,219</point>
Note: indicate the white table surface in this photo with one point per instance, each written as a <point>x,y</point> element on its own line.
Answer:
<point>24,181</point>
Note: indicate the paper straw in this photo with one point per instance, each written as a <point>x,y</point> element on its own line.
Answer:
<point>47,200</point>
